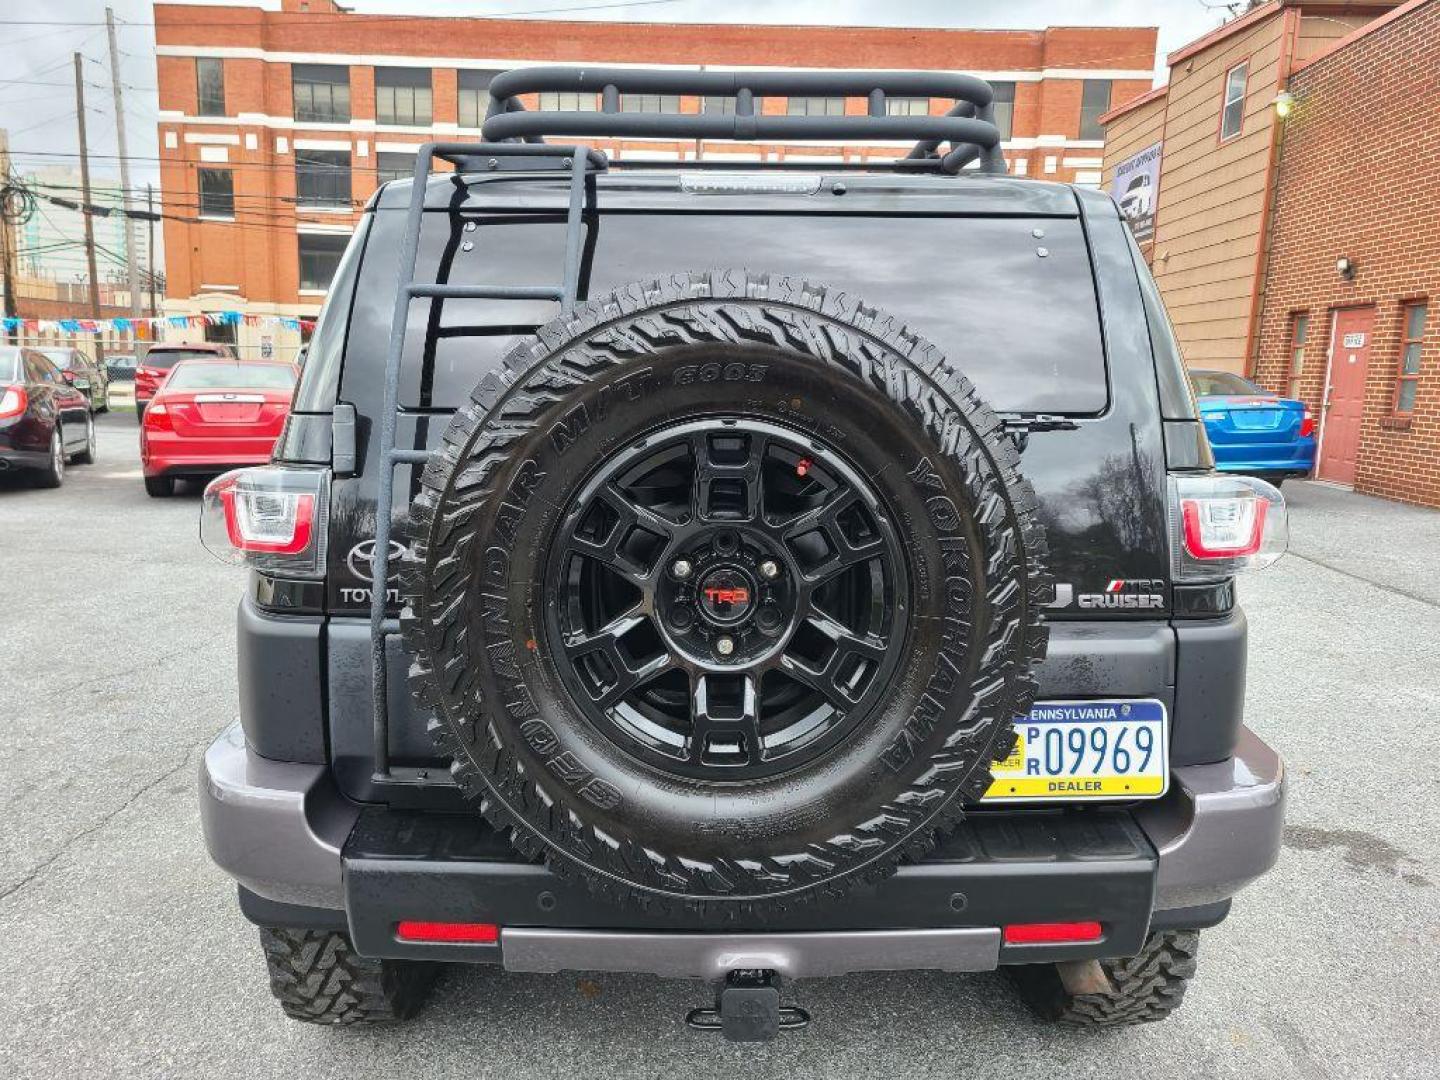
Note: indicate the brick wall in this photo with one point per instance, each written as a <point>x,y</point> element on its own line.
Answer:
<point>253,260</point>
<point>1356,180</point>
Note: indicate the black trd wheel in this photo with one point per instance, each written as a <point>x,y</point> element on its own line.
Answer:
<point>726,590</point>
<point>1134,990</point>
<point>317,977</point>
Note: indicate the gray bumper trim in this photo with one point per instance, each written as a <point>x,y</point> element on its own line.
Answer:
<point>1220,827</point>
<point>275,826</point>
<point>712,956</point>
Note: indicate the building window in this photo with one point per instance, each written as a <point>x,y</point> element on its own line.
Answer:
<point>217,193</point>
<point>322,178</point>
<point>391,165</point>
<point>1299,334</point>
<point>815,106</point>
<point>321,93</point>
<point>402,96</point>
<point>210,84</point>
<point>725,106</point>
<point>907,106</point>
<point>474,97</point>
<point>1407,384</point>
<point>1094,103</point>
<point>319,256</point>
<point>1232,113</point>
<point>650,103</point>
<point>568,102</point>
<point>1004,108</point>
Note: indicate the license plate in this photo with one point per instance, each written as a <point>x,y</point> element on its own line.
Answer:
<point>1070,750</point>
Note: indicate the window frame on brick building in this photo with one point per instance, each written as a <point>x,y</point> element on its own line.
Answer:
<point>667,104</point>
<point>907,106</point>
<point>393,165</point>
<point>815,106</point>
<point>1004,104</point>
<point>1091,110</point>
<point>1237,103</point>
<point>335,243</point>
<point>320,93</point>
<point>322,169</point>
<point>724,105</point>
<point>411,86</point>
<point>568,101</point>
<point>213,103</point>
<point>215,189</point>
<point>1412,337</point>
<point>1299,338</point>
<point>473,96</point>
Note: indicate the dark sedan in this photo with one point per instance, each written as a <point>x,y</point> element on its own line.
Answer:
<point>44,420</point>
<point>83,373</point>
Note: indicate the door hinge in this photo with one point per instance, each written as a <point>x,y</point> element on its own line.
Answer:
<point>342,439</point>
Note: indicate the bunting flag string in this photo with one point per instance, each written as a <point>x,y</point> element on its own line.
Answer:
<point>148,327</point>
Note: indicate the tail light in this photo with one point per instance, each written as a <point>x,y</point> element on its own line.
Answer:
<point>1223,524</point>
<point>1307,425</point>
<point>13,401</point>
<point>271,517</point>
<point>157,415</point>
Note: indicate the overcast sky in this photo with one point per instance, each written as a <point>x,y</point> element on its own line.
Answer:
<point>37,95</point>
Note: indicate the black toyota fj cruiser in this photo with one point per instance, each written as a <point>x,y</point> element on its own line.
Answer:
<point>779,572</point>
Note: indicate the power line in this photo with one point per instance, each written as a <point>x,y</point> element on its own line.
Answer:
<point>317,17</point>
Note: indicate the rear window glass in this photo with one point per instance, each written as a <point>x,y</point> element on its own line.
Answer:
<point>61,358</point>
<point>232,377</point>
<point>1011,301</point>
<point>10,365</point>
<point>165,359</point>
<point>1221,383</point>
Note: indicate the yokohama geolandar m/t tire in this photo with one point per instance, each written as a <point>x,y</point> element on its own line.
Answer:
<point>725,590</point>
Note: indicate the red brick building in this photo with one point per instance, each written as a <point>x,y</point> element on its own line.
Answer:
<point>276,126</point>
<point>1351,313</point>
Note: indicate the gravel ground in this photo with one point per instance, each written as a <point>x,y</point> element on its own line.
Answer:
<point>124,954</point>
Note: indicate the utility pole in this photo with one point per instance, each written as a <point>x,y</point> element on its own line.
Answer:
<point>150,246</point>
<point>7,235</point>
<point>132,267</point>
<point>85,214</point>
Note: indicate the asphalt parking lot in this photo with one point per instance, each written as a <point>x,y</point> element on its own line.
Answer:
<point>124,955</point>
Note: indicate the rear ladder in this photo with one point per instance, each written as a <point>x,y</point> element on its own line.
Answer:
<point>584,163</point>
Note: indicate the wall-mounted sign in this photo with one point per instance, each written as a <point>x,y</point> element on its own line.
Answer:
<point>1136,184</point>
<point>1354,341</point>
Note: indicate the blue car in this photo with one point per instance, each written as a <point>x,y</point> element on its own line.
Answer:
<point>1253,431</point>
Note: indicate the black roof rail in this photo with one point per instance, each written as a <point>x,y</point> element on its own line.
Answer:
<point>968,129</point>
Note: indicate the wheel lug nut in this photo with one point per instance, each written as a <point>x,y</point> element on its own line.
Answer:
<point>769,569</point>
<point>725,646</point>
<point>682,568</point>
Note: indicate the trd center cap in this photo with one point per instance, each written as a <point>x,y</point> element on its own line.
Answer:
<point>727,595</point>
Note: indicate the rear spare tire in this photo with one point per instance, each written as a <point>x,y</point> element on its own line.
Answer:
<point>726,590</point>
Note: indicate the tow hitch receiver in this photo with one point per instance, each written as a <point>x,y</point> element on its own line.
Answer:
<point>747,1009</point>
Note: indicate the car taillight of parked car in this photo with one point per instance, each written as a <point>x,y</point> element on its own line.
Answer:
<point>269,517</point>
<point>1224,524</point>
<point>1307,425</point>
<point>13,401</point>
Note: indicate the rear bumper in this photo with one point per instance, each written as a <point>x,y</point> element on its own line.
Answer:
<point>1295,457</point>
<point>305,855</point>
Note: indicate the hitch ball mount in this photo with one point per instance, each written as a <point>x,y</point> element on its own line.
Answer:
<point>747,1008</point>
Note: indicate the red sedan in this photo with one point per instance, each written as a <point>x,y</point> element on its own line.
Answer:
<point>161,357</point>
<point>209,416</point>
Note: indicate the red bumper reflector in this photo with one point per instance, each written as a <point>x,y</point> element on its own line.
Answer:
<point>1051,933</point>
<point>465,933</point>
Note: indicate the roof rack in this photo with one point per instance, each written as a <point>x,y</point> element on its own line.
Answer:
<point>968,129</point>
